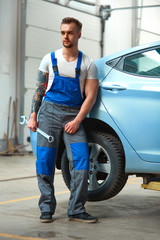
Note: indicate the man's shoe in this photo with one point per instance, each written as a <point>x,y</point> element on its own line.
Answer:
<point>83,217</point>
<point>46,217</point>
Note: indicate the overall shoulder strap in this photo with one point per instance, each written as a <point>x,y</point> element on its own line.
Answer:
<point>54,63</point>
<point>78,67</point>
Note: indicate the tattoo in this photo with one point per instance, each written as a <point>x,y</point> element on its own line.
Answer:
<point>41,86</point>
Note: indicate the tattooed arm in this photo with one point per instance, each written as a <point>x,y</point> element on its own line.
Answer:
<point>41,86</point>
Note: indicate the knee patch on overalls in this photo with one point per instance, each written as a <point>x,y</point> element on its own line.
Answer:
<point>80,155</point>
<point>45,160</point>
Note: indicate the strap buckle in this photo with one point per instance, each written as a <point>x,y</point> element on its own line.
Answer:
<point>78,71</point>
<point>55,68</point>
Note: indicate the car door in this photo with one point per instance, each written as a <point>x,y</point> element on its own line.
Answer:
<point>131,95</point>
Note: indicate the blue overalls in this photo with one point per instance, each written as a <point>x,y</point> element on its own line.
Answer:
<point>61,104</point>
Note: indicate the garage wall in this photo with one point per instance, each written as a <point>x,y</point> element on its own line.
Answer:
<point>127,28</point>
<point>8,47</point>
<point>43,21</point>
<point>149,29</point>
<point>118,28</point>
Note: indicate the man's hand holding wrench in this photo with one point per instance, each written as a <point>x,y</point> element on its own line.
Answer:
<point>35,128</point>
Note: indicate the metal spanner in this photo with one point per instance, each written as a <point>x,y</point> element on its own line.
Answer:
<point>49,138</point>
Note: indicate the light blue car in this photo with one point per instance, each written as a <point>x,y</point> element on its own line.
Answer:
<point>123,127</point>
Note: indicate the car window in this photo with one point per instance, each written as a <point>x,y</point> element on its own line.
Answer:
<point>143,64</point>
<point>113,62</point>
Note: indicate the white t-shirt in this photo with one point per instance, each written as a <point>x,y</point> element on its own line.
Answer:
<point>67,69</point>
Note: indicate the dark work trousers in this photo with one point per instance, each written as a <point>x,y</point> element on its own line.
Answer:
<point>52,119</point>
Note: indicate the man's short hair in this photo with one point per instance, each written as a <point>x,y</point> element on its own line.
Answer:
<point>68,20</point>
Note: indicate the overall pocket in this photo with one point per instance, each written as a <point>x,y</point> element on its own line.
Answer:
<point>65,84</point>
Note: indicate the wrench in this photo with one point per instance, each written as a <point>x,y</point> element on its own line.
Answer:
<point>49,138</point>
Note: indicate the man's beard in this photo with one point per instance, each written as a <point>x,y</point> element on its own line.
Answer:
<point>67,45</point>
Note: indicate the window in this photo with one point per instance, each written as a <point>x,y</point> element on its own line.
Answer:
<point>143,64</point>
<point>112,63</point>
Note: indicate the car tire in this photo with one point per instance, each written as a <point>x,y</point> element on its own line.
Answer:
<point>107,167</point>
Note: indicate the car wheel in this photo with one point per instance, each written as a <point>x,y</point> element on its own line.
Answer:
<point>107,167</point>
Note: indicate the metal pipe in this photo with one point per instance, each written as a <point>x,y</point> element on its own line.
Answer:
<point>130,8</point>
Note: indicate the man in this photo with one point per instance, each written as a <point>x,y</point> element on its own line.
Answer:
<point>71,75</point>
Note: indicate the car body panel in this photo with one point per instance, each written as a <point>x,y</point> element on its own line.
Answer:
<point>134,164</point>
<point>135,110</point>
<point>133,104</point>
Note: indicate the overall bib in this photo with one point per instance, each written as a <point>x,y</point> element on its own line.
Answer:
<point>61,105</point>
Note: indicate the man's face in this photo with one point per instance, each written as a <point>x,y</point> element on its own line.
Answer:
<point>70,35</point>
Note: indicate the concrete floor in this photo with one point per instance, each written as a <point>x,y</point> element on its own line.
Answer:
<point>133,214</point>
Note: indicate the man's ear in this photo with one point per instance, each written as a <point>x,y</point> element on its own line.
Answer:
<point>79,35</point>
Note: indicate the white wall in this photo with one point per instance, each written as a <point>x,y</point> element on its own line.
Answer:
<point>149,28</point>
<point>118,28</point>
<point>8,37</point>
